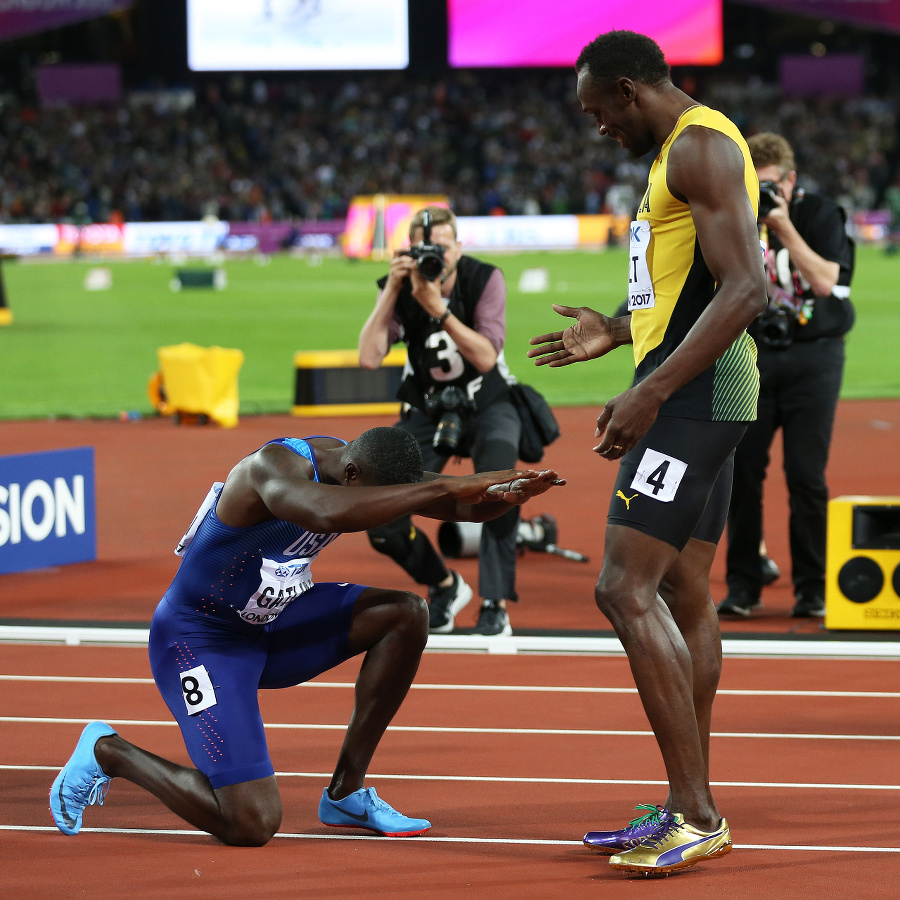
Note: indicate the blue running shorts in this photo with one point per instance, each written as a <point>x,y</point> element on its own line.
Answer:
<point>209,673</point>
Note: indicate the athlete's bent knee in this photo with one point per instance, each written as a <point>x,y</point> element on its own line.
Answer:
<point>253,828</point>
<point>412,611</point>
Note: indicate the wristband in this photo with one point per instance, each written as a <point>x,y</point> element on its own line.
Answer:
<point>442,317</point>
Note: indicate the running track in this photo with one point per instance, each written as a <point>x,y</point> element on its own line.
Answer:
<point>512,757</point>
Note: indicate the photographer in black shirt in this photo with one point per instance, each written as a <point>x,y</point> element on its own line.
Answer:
<point>800,338</point>
<point>450,311</point>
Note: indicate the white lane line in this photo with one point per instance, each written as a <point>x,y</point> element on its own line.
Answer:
<point>425,839</point>
<point>510,779</point>
<point>508,688</point>
<point>465,729</point>
<point>461,643</point>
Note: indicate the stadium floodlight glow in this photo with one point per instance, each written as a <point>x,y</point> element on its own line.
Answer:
<point>296,35</point>
<point>521,33</point>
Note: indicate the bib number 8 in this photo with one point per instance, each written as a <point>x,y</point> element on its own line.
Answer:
<point>197,690</point>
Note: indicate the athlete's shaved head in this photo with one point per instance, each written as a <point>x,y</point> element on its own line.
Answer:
<point>388,455</point>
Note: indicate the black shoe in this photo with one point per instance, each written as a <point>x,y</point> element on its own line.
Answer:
<point>493,619</point>
<point>738,604</point>
<point>809,606</point>
<point>445,603</point>
<point>770,572</point>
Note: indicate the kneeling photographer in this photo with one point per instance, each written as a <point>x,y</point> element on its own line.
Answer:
<point>800,338</point>
<point>450,311</point>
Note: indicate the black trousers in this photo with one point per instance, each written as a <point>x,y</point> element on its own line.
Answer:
<point>799,388</point>
<point>491,438</point>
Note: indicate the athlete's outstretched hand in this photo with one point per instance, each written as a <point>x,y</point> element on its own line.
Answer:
<point>520,490</point>
<point>590,337</point>
<point>470,489</point>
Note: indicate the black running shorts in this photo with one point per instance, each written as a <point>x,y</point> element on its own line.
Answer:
<point>676,483</point>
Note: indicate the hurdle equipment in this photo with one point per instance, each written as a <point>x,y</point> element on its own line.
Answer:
<point>332,383</point>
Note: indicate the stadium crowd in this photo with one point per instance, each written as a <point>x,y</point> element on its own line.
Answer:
<point>249,149</point>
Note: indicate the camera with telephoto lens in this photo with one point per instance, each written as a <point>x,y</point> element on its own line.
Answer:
<point>451,407</point>
<point>429,257</point>
<point>777,326</point>
<point>768,197</point>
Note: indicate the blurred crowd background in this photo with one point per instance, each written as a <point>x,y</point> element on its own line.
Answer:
<point>244,147</point>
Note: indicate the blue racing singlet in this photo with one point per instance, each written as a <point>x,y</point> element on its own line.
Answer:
<point>252,573</point>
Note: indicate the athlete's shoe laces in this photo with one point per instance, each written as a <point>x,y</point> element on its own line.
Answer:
<point>678,845</point>
<point>638,829</point>
<point>365,809</point>
<point>81,782</point>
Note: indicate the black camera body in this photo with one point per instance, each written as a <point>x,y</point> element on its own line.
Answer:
<point>451,406</point>
<point>429,257</point>
<point>777,326</point>
<point>768,197</point>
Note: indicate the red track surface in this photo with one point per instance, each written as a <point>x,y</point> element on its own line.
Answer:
<point>152,476</point>
<point>779,791</point>
<point>770,796</point>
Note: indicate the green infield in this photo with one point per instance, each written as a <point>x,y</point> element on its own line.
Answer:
<point>71,351</point>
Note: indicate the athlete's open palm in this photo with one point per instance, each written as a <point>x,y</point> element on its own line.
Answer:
<point>591,336</point>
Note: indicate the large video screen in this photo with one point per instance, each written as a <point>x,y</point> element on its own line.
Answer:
<point>500,33</point>
<point>297,35</point>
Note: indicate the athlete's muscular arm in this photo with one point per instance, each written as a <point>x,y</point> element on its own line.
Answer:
<point>275,483</point>
<point>706,171</point>
<point>593,335</point>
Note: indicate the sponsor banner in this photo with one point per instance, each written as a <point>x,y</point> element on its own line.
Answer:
<point>26,240</point>
<point>47,509</point>
<point>89,239</point>
<point>270,237</point>
<point>148,238</point>
<point>19,17</point>
<point>490,232</point>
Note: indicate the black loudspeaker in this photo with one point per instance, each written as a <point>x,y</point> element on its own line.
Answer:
<point>862,579</point>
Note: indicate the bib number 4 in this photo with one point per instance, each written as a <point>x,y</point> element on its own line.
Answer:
<point>658,476</point>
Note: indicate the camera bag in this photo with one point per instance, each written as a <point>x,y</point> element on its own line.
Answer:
<point>539,425</point>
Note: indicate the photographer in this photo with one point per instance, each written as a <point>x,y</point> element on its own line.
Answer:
<point>800,337</point>
<point>450,311</point>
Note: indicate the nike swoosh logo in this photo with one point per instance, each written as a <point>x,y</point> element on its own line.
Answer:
<point>70,822</point>
<point>363,818</point>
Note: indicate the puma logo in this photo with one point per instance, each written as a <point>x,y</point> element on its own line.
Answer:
<point>626,499</point>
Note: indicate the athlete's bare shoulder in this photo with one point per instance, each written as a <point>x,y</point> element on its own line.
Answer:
<point>324,443</point>
<point>703,160</point>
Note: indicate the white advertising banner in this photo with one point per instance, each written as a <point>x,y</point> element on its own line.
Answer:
<point>147,238</point>
<point>518,232</point>
<point>25,240</point>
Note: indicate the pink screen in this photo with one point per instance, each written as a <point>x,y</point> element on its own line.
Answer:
<point>500,33</point>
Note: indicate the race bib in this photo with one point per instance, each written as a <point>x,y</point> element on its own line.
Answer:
<point>279,584</point>
<point>197,690</point>
<point>658,475</point>
<point>640,285</point>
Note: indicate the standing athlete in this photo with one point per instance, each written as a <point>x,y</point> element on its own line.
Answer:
<point>695,283</point>
<point>243,613</point>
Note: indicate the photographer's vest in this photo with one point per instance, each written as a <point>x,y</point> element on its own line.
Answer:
<point>433,359</point>
<point>822,224</point>
<point>670,286</point>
